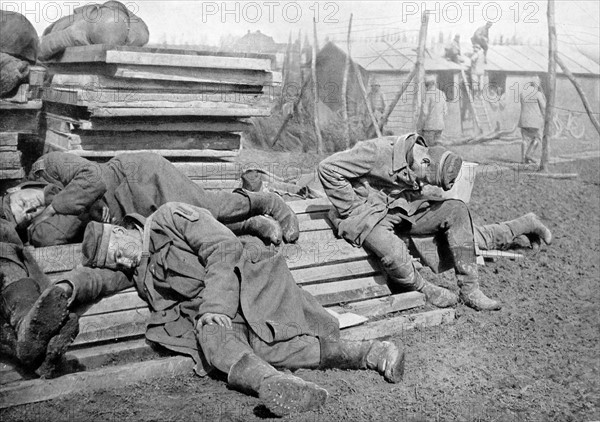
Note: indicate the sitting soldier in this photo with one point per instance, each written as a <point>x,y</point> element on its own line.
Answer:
<point>376,192</point>
<point>81,190</point>
<point>234,298</point>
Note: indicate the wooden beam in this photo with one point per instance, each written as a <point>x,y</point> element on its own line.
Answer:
<point>385,305</point>
<point>579,89</point>
<point>552,44</point>
<point>180,60</point>
<point>315,90</point>
<point>397,325</point>
<point>363,91</point>
<point>33,391</point>
<point>345,89</point>
<point>206,109</point>
<point>199,153</point>
<point>419,98</point>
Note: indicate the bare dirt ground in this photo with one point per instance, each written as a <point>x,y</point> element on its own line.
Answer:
<point>538,359</point>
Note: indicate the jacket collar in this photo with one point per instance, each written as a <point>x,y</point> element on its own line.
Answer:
<point>402,151</point>
<point>158,238</point>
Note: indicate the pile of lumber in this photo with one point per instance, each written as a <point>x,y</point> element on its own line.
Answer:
<point>19,121</point>
<point>103,100</point>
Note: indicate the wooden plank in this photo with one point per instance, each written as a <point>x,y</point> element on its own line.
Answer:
<point>109,140</point>
<point>199,153</point>
<point>207,109</point>
<point>8,148</point>
<point>12,174</point>
<point>100,82</point>
<point>397,325</point>
<point>312,216</point>
<point>348,290</point>
<point>19,120</point>
<point>179,60</point>
<point>381,306</point>
<point>358,268</point>
<point>316,225</point>
<point>493,254</point>
<point>116,325</point>
<point>171,123</point>
<point>126,300</point>
<point>219,184</point>
<point>28,106</point>
<point>33,391</point>
<point>9,139</point>
<point>10,160</point>
<point>348,319</point>
<point>127,98</point>
<point>310,205</point>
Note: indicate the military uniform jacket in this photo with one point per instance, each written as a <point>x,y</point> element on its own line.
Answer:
<point>128,183</point>
<point>364,182</point>
<point>193,265</point>
<point>533,107</point>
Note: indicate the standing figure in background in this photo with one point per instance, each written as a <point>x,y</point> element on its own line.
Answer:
<point>477,71</point>
<point>433,111</point>
<point>376,100</point>
<point>481,37</point>
<point>531,121</point>
<point>452,50</point>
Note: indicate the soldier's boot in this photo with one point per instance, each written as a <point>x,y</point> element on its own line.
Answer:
<point>436,295</point>
<point>281,393</point>
<point>530,225</point>
<point>8,340</point>
<point>467,276</point>
<point>403,275</point>
<point>35,317</point>
<point>262,203</point>
<point>262,226</point>
<point>57,346</point>
<point>383,356</point>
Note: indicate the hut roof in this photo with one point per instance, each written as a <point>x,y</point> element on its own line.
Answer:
<point>391,57</point>
<point>527,59</point>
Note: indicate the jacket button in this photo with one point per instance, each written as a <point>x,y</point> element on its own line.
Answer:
<point>163,313</point>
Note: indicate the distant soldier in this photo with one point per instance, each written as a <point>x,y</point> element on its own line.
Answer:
<point>481,37</point>
<point>477,70</point>
<point>433,111</point>
<point>533,109</point>
<point>376,100</point>
<point>452,50</point>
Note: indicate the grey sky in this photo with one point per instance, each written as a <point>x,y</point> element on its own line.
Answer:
<point>206,21</point>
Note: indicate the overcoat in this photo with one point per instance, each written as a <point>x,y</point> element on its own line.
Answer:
<point>192,264</point>
<point>533,108</point>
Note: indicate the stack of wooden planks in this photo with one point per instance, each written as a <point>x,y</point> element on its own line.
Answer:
<point>103,100</point>
<point>346,280</point>
<point>19,121</point>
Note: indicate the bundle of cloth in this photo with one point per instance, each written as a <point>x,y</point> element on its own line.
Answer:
<point>18,50</point>
<point>109,23</point>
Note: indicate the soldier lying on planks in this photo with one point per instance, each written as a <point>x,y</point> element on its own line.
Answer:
<point>376,189</point>
<point>80,190</point>
<point>213,297</point>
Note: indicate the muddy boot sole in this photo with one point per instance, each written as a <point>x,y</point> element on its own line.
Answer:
<point>40,324</point>
<point>286,394</point>
<point>57,347</point>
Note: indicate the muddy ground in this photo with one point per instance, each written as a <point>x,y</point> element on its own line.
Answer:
<point>537,359</point>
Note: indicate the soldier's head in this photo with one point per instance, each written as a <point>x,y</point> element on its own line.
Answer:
<point>111,246</point>
<point>457,38</point>
<point>375,84</point>
<point>430,81</point>
<point>435,166</point>
<point>489,24</point>
<point>26,201</point>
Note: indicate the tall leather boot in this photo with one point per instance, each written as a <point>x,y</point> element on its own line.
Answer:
<point>262,203</point>
<point>35,317</point>
<point>281,393</point>
<point>262,226</point>
<point>57,347</point>
<point>383,356</point>
<point>529,224</point>
<point>467,275</point>
<point>436,295</point>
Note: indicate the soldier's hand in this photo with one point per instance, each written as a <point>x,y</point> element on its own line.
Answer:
<point>219,319</point>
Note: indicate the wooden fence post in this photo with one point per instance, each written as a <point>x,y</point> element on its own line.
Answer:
<point>316,90</point>
<point>420,69</point>
<point>551,86</point>
<point>345,90</point>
